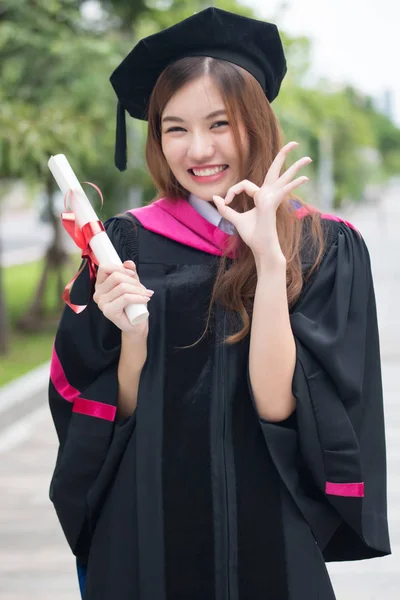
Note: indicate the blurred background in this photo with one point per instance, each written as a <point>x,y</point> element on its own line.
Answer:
<point>340,100</point>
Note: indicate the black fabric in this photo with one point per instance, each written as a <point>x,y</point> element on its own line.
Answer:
<point>88,347</point>
<point>305,565</point>
<point>260,538</point>
<point>339,410</point>
<point>113,507</point>
<point>194,496</point>
<point>189,534</point>
<point>252,44</point>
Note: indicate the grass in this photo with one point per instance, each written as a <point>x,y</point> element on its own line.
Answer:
<point>26,353</point>
<point>27,350</point>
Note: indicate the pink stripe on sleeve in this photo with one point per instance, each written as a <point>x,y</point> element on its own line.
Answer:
<point>355,490</point>
<point>92,408</point>
<point>60,381</point>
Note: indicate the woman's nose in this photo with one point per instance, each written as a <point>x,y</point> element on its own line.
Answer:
<point>200,148</point>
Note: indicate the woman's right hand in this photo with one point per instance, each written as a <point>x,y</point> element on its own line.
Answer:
<point>116,287</point>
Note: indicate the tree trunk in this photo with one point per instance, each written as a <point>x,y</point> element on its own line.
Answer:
<point>56,258</point>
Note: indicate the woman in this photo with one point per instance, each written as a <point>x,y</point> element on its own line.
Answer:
<point>228,447</point>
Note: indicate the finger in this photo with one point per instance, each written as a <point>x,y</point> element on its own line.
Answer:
<point>276,167</point>
<point>291,172</point>
<point>113,280</point>
<point>294,184</point>
<point>115,308</point>
<point>105,270</point>
<point>243,186</point>
<point>121,289</point>
<point>133,286</point>
<point>225,211</point>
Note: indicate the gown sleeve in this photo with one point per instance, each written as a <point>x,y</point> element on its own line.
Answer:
<point>336,434</point>
<point>83,391</point>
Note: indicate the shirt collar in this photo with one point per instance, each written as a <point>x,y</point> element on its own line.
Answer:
<point>210,213</point>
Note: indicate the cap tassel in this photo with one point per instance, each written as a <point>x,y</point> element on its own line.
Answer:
<point>120,157</point>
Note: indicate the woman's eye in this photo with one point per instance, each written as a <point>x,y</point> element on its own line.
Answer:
<point>172,129</point>
<point>220,124</point>
<point>214,126</point>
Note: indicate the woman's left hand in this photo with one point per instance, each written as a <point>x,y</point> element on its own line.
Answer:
<point>257,227</point>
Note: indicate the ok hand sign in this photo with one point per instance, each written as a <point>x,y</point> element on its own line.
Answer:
<point>257,227</point>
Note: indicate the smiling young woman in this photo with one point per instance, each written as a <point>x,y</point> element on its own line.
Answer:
<point>247,142</point>
<point>228,447</point>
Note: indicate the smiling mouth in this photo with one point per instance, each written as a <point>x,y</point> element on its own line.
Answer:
<point>208,171</point>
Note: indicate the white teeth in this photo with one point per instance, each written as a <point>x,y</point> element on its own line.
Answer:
<point>206,172</point>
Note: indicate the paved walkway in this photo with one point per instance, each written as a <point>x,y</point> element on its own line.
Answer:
<point>35,563</point>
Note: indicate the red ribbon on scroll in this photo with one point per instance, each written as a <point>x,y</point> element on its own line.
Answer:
<point>82,237</point>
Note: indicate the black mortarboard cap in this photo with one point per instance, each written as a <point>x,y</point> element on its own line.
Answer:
<point>252,44</point>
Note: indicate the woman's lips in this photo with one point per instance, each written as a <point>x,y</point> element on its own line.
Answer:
<point>208,178</point>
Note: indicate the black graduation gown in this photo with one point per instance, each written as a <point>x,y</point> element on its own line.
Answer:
<point>194,496</point>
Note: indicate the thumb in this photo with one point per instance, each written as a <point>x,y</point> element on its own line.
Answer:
<point>225,211</point>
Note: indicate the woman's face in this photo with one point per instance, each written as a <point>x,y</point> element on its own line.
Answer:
<point>197,140</point>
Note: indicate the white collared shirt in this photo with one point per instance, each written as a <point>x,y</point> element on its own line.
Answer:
<point>210,214</point>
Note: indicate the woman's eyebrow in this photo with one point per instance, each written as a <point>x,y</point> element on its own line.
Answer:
<point>215,113</point>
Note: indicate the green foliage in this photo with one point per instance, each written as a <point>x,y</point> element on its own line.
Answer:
<point>55,96</point>
<point>365,143</point>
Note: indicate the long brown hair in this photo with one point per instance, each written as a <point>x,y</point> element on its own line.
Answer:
<point>243,98</point>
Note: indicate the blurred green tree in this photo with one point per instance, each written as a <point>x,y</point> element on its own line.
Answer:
<point>53,100</point>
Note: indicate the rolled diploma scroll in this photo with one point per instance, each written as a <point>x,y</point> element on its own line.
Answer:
<point>100,244</point>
